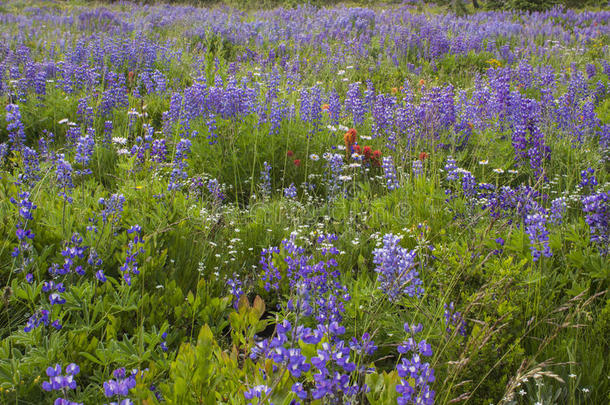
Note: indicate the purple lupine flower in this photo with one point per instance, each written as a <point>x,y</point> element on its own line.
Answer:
<point>26,207</point>
<point>100,276</point>
<point>301,303</point>
<point>73,251</point>
<point>271,274</point>
<point>84,151</point>
<point>258,391</point>
<point>212,129</point>
<point>3,153</point>
<point>114,96</point>
<point>108,127</point>
<point>276,115</point>
<point>557,210</point>
<point>364,346</point>
<point>597,215</point>
<point>215,190</point>
<point>334,164</point>
<point>235,288</point>
<point>451,168</point>
<point>31,167</point>
<point>112,208</point>
<point>416,376</point>
<point>160,81</point>
<point>49,286</point>
<point>396,272</point>
<point>418,168</point>
<point>334,107</point>
<point>290,191</point>
<point>44,142</point>
<point>535,227</point>
<point>134,249</point>
<point>469,183</point>
<point>299,390</point>
<point>265,180</point>
<point>61,382</point>
<point>63,401</point>
<point>63,172</point>
<point>56,299</point>
<point>163,344</point>
<point>158,152</point>
<point>311,109</point>
<point>121,385</point>
<point>23,233</point>
<point>454,318</point>
<point>354,103</point>
<point>183,148</point>
<point>315,282</point>
<point>73,133</point>
<point>588,181</point>
<point>389,173</point>
<point>84,112</point>
<point>41,317</point>
<point>591,70</point>
<point>15,128</point>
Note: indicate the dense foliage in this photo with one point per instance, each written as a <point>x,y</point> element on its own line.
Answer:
<point>303,205</point>
<point>462,5</point>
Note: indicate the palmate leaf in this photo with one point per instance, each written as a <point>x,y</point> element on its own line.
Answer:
<point>383,387</point>
<point>92,358</point>
<point>6,374</point>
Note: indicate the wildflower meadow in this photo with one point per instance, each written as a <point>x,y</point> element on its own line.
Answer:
<point>403,203</point>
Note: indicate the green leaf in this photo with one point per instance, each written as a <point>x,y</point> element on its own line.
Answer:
<point>91,358</point>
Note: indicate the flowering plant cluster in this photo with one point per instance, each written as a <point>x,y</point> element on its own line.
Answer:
<point>325,205</point>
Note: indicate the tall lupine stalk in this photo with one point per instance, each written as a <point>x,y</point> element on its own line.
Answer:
<point>15,128</point>
<point>24,233</point>
<point>354,104</point>
<point>334,167</point>
<point>397,274</point>
<point>597,215</point>
<point>134,249</point>
<point>114,96</point>
<point>85,146</point>
<point>334,107</point>
<point>31,167</point>
<point>536,229</point>
<point>527,137</point>
<point>416,375</point>
<point>311,108</point>
<point>389,173</point>
<point>183,148</point>
<point>62,383</point>
<point>4,148</point>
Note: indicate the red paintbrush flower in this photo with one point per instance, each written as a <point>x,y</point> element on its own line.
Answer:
<point>350,139</point>
<point>367,151</point>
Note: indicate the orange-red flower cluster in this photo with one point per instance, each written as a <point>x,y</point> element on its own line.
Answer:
<point>370,155</point>
<point>297,162</point>
<point>350,140</point>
